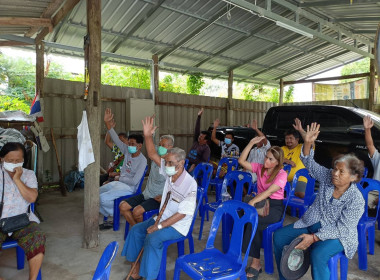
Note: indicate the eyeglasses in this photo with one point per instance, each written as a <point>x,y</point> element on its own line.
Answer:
<point>170,163</point>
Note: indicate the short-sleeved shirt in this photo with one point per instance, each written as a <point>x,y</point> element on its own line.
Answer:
<point>375,160</point>
<point>14,202</point>
<point>294,155</point>
<point>229,151</point>
<point>182,199</point>
<point>198,153</point>
<point>262,185</point>
<point>258,154</point>
<point>156,182</point>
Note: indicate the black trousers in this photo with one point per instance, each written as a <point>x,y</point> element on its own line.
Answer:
<point>275,213</point>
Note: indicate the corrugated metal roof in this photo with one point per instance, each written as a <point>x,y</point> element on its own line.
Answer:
<point>200,36</point>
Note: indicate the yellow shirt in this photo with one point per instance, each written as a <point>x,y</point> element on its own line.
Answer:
<point>294,155</point>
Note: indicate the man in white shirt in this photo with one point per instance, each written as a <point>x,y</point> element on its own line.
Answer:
<point>176,218</point>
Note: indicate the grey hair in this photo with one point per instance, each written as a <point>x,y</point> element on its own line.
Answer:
<point>169,137</point>
<point>353,164</point>
<point>178,153</point>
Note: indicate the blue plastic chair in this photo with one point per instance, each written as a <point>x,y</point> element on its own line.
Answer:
<point>20,254</point>
<point>333,266</point>
<point>232,164</point>
<point>366,225</point>
<point>181,241</point>
<point>202,174</point>
<point>302,204</point>
<point>186,164</point>
<point>233,180</point>
<point>212,263</point>
<point>117,201</point>
<point>267,240</point>
<point>103,269</point>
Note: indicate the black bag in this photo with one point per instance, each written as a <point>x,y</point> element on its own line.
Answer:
<point>14,223</point>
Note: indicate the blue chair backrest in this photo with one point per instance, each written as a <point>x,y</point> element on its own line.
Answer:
<point>138,191</point>
<point>103,269</point>
<point>372,185</point>
<point>235,181</point>
<point>240,219</point>
<point>365,174</point>
<point>309,191</point>
<point>186,164</point>
<point>288,194</point>
<point>202,174</point>
<point>200,194</point>
<point>232,164</point>
<point>287,168</point>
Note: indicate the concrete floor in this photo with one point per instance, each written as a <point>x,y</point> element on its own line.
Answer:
<point>66,259</point>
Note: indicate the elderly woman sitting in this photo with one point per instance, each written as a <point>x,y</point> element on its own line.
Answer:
<point>19,187</point>
<point>329,226</point>
<point>176,216</point>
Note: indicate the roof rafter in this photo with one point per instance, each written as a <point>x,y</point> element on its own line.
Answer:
<point>65,9</point>
<point>25,21</point>
<point>317,33</point>
<point>325,3</point>
<point>356,19</point>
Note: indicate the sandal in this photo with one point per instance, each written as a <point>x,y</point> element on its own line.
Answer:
<point>131,278</point>
<point>254,272</point>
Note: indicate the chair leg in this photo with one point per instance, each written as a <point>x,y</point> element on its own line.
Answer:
<point>191,244</point>
<point>343,267</point>
<point>333,267</point>
<point>371,239</point>
<point>226,230</point>
<point>202,221</point>
<point>293,211</point>
<point>126,229</point>
<point>362,249</point>
<point>181,248</point>
<point>116,215</point>
<point>268,252</point>
<point>20,257</point>
<point>162,273</point>
<point>39,276</point>
<point>177,272</point>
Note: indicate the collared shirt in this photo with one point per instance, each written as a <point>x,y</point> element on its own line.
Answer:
<point>229,151</point>
<point>14,202</point>
<point>258,154</point>
<point>338,217</point>
<point>263,185</point>
<point>182,199</point>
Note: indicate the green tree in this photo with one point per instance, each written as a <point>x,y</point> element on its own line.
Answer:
<point>125,76</point>
<point>357,67</point>
<point>268,94</point>
<point>195,83</point>
<point>9,103</point>
<point>173,83</point>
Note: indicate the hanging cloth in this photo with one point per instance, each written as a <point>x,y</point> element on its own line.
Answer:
<point>86,154</point>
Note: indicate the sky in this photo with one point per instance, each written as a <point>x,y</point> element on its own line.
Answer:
<point>302,92</point>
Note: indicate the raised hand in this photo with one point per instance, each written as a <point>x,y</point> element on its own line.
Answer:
<point>200,112</point>
<point>254,125</point>
<point>298,125</point>
<point>367,122</point>
<point>108,116</point>
<point>312,133</point>
<point>216,123</point>
<point>148,126</point>
<point>256,140</point>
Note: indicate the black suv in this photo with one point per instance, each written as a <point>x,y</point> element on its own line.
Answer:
<point>341,130</point>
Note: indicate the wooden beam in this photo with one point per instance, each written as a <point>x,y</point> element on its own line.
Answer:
<point>155,78</point>
<point>281,98</point>
<point>12,43</point>
<point>40,51</point>
<point>93,107</point>
<point>49,11</point>
<point>66,8</point>
<point>353,76</point>
<point>372,81</point>
<point>24,21</point>
<point>229,112</point>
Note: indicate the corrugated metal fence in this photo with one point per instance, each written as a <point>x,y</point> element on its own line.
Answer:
<point>63,106</point>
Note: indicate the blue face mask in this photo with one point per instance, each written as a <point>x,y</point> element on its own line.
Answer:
<point>162,151</point>
<point>132,149</point>
<point>227,141</point>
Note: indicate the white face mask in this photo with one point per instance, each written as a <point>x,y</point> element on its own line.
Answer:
<point>170,170</point>
<point>9,166</point>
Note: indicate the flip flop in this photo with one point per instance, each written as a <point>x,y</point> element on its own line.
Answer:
<point>254,272</point>
<point>105,226</point>
<point>131,278</point>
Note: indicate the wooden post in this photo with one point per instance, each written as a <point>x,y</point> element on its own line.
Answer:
<point>281,98</point>
<point>372,81</point>
<point>40,50</point>
<point>154,91</point>
<point>93,108</point>
<point>230,112</point>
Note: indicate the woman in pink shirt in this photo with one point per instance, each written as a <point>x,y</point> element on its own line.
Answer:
<point>271,180</point>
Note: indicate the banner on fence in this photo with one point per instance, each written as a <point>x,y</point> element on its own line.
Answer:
<point>352,90</point>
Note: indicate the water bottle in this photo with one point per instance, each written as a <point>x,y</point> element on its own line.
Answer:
<point>225,194</point>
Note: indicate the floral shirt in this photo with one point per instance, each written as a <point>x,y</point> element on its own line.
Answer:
<point>118,154</point>
<point>338,217</point>
<point>14,203</point>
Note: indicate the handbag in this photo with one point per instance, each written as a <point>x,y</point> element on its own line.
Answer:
<point>13,223</point>
<point>262,207</point>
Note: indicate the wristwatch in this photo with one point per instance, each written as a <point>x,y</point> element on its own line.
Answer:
<point>159,226</point>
